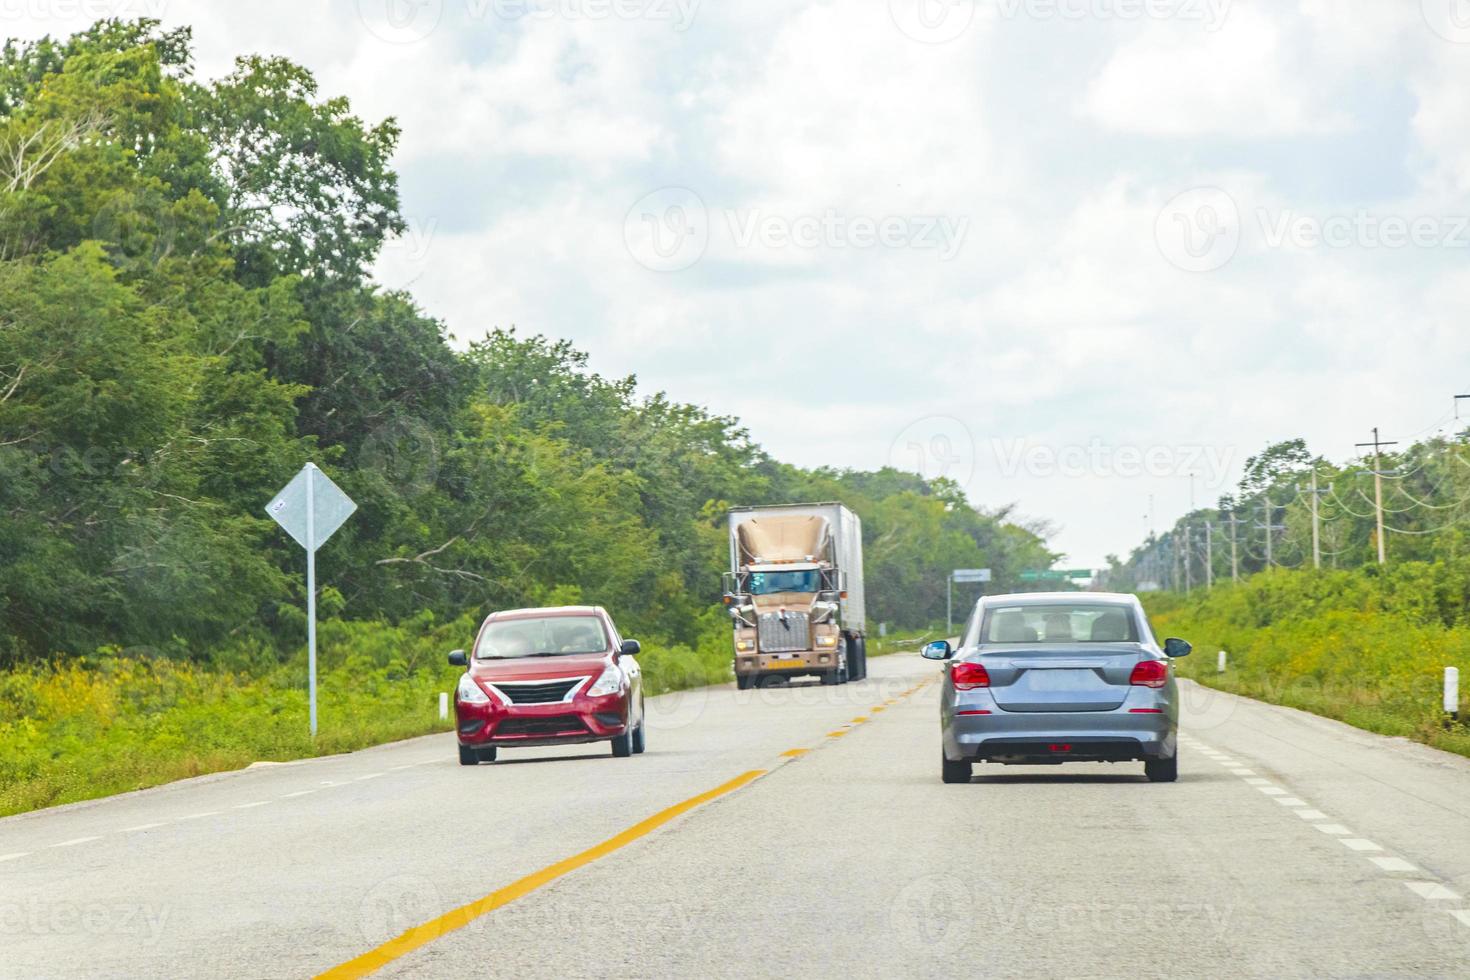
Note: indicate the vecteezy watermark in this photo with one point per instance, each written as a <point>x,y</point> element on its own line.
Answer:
<point>1211,14</point>
<point>1201,230</point>
<point>82,9</point>
<point>942,21</point>
<point>834,230</point>
<point>670,230</point>
<point>408,21</point>
<point>1362,229</point>
<point>1096,458</point>
<point>932,21</point>
<point>935,447</point>
<point>37,917</point>
<point>933,914</point>
<point>1450,19</point>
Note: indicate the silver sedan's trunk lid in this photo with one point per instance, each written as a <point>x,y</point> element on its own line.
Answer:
<point>1061,677</point>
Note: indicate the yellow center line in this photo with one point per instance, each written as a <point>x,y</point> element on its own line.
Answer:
<point>418,936</point>
<point>837,734</point>
<point>794,753</point>
<point>860,719</point>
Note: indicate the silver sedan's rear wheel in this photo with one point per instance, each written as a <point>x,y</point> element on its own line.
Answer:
<point>1162,770</point>
<point>955,772</point>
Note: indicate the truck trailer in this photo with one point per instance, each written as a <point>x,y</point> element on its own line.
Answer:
<point>795,594</point>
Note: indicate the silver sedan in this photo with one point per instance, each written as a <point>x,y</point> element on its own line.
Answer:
<point>1043,679</point>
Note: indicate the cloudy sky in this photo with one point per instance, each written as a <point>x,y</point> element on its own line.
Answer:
<point>1067,252</point>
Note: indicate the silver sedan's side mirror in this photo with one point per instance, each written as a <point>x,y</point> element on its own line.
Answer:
<point>938,650</point>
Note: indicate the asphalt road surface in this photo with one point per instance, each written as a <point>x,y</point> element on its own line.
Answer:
<point>789,832</point>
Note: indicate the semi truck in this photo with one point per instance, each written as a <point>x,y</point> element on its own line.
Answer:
<point>795,594</point>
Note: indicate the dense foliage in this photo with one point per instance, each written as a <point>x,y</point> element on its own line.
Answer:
<point>186,319</point>
<point>1367,646</point>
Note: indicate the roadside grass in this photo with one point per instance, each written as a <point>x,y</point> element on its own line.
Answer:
<point>113,723</point>
<point>1340,653</point>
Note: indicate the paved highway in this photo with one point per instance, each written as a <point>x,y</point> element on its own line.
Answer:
<point>799,832</point>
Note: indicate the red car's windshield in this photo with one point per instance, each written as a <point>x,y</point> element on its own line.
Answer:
<point>545,636</point>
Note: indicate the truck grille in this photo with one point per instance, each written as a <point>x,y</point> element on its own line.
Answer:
<point>538,692</point>
<point>778,637</point>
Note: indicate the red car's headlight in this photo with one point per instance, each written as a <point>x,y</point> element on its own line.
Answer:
<point>611,682</point>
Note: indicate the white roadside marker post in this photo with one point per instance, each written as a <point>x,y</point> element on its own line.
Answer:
<point>1452,693</point>
<point>311,508</point>
<point>443,706</point>
<point>1220,665</point>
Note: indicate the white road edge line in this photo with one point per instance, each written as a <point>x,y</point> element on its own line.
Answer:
<point>1463,915</point>
<point>371,775</point>
<point>1432,891</point>
<point>12,857</point>
<point>304,792</point>
<point>200,816</point>
<point>77,840</point>
<point>143,826</point>
<point>246,806</point>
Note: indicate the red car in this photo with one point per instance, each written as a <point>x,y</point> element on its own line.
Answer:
<point>548,677</point>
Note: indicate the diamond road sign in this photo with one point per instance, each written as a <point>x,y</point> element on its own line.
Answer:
<point>972,575</point>
<point>330,507</point>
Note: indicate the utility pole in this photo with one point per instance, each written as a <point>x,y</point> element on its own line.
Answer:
<point>1378,445</point>
<point>1188,560</point>
<point>1209,554</point>
<point>1269,510</point>
<point>1234,522</point>
<point>1316,518</point>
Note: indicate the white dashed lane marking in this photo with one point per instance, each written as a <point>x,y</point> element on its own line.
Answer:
<point>12,857</point>
<point>76,840</point>
<point>1393,864</point>
<point>247,806</point>
<point>1430,891</point>
<point>142,826</point>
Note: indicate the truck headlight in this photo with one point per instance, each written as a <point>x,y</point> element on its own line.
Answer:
<point>469,692</point>
<point>826,641</point>
<point>744,645</point>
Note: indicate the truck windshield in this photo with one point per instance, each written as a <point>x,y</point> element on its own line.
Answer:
<point>768,583</point>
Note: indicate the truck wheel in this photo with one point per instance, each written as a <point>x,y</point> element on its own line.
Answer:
<point>955,772</point>
<point>861,643</point>
<point>831,678</point>
<point>622,745</point>
<point>468,756</point>
<point>744,682</point>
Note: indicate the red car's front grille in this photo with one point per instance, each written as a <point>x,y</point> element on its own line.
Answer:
<point>552,725</point>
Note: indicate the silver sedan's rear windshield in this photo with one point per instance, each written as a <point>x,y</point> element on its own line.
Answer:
<point>1062,622</point>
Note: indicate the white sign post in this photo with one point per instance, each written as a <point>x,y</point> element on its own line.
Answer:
<point>311,508</point>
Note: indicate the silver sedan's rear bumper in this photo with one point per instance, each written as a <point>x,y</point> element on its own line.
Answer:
<point>1133,731</point>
